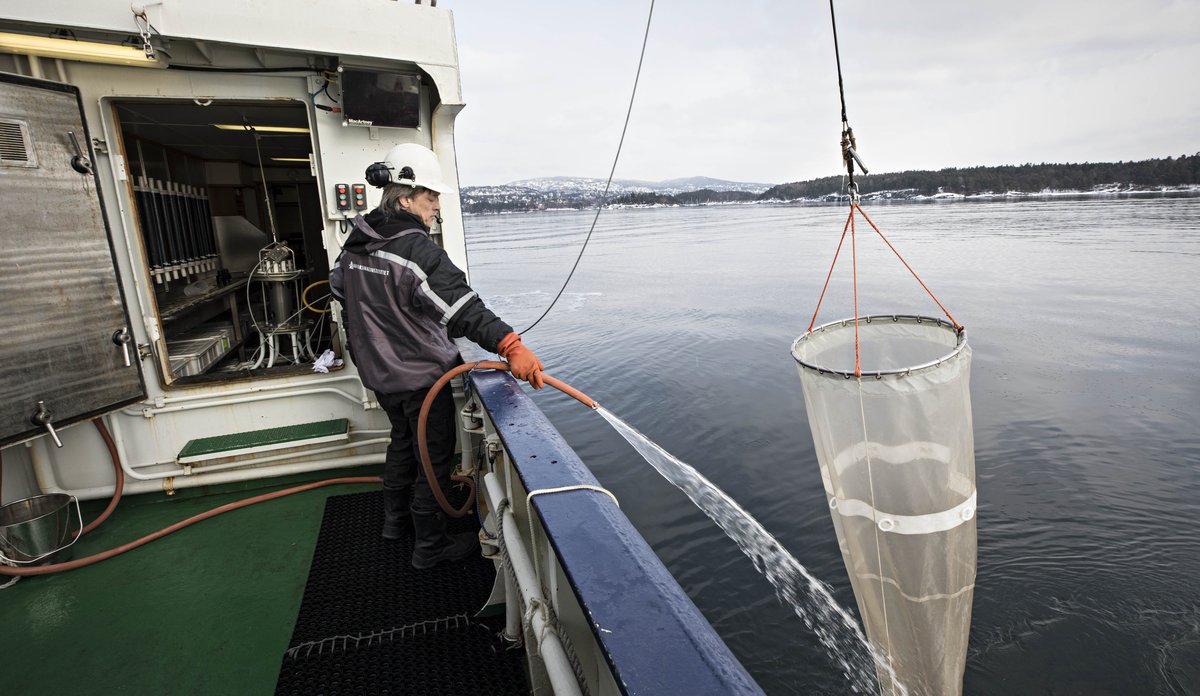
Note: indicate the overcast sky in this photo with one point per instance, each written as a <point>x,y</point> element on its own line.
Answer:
<point>747,90</point>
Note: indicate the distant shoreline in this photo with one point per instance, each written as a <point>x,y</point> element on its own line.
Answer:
<point>1168,176</point>
<point>890,198</point>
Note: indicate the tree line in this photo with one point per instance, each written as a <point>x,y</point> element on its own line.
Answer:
<point>1024,178</point>
<point>1027,178</point>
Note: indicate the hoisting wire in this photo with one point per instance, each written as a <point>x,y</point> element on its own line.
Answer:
<point>611,172</point>
<point>850,157</point>
<point>849,145</point>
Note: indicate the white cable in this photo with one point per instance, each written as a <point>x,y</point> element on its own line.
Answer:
<point>249,306</point>
<point>887,635</point>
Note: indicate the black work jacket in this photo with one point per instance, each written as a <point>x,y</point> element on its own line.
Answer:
<point>403,302</point>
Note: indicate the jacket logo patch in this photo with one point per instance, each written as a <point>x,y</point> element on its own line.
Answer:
<point>360,267</point>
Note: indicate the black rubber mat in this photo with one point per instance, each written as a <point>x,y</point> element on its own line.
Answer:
<point>371,624</point>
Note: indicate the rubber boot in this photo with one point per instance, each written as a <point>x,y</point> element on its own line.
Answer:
<point>433,545</point>
<point>397,523</point>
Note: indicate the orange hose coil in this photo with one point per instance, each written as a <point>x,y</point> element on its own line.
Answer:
<point>423,443</point>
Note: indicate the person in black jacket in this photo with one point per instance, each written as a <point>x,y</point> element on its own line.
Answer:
<point>404,301</point>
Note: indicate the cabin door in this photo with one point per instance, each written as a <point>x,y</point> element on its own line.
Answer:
<point>66,348</point>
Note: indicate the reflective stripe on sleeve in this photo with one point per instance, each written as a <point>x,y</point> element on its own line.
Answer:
<point>457,306</point>
<point>448,312</point>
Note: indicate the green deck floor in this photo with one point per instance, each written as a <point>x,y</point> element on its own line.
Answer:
<point>206,610</point>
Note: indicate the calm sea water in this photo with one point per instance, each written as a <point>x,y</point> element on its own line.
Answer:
<point>1084,317</point>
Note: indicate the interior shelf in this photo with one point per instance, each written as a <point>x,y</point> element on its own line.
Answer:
<point>172,308</point>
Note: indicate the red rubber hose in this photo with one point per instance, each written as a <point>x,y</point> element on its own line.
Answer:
<point>120,473</point>
<point>422,440</point>
<point>80,563</point>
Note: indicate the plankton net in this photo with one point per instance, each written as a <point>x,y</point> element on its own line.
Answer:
<point>889,407</point>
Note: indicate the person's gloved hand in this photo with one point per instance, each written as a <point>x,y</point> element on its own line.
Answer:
<point>521,361</point>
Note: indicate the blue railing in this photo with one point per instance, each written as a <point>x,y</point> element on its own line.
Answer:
<point>653,637</point>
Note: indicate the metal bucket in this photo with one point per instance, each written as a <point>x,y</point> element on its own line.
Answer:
<point>38,530</point>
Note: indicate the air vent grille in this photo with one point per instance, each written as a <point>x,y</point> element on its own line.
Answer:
<point>15,148</point>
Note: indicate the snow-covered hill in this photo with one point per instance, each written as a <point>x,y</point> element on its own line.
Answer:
<point>575,192</point>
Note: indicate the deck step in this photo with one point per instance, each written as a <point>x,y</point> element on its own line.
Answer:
<point>254,441</point>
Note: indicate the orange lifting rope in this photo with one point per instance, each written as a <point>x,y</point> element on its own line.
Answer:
<point>855,207</point>
<point>849,158</point>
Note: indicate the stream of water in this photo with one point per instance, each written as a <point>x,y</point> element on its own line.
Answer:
<point>808,597</point>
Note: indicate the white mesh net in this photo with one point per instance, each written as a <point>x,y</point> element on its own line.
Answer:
<point>897,457</point>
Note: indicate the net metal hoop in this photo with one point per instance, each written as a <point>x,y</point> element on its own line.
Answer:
<point>960,343</point>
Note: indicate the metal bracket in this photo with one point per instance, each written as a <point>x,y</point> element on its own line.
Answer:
<point>80,161</point>
<point>122,338</point>
<point>42,417</point>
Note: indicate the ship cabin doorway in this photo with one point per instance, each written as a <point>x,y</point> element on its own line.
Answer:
<point>226,205</point>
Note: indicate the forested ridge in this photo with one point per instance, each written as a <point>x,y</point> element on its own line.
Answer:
<point>1026,178</point>
<point>1173,173</point>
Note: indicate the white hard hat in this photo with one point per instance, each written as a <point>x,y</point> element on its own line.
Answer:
<point>410,164</point>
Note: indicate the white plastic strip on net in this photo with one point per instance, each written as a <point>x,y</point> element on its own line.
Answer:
<point>896,451</point>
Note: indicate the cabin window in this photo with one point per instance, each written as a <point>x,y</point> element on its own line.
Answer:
<point>230,221</point>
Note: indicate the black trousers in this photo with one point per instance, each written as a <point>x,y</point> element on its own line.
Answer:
<point>403,464</point>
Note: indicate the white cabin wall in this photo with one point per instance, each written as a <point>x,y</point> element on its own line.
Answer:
<point>150,436</point>
<point>385,34</point>
<point>385,29</point>
<point>382,31</point>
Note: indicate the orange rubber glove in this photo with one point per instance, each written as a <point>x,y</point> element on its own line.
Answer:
<point>521,361</point>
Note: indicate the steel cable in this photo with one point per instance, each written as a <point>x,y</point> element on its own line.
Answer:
<point>611,172</point>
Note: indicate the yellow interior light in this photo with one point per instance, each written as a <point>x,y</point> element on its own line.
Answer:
<point>46,47</point>
<point>261,129</point>
<point>290,159</point>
